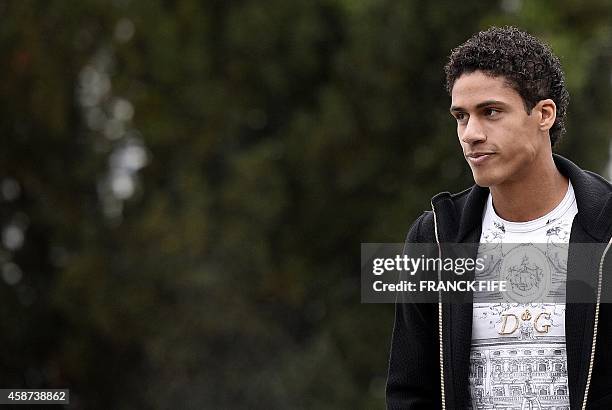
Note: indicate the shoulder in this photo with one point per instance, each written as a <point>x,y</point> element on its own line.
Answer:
<point>422,229</point>
<point>601,183</point>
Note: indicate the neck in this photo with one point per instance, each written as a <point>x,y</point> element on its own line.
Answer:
<point>532,195</point>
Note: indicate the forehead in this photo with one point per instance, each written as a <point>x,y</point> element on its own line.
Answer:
<point>473,88</point>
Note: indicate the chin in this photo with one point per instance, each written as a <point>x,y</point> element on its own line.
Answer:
<point>484,179</point>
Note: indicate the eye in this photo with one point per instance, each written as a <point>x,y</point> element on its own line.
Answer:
<point>460,116</point>
<point>491,112</point>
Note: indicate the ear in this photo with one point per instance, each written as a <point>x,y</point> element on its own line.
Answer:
<point>548,113</point>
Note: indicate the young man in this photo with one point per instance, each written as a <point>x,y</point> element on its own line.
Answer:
<point>509,100</point>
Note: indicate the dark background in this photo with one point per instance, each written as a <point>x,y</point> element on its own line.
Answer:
<point>184,186</point>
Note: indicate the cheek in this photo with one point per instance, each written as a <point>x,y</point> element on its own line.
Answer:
<point>459,132</point>
<point>461,143</point>
<point>509,136</point>
<point>530,138</point>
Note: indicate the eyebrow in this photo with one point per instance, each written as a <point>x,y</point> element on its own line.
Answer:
<point>454,108</point>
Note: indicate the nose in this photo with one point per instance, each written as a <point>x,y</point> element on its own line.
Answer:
<point>472,132</point>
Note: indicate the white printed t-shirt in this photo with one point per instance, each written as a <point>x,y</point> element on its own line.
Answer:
<point>518,357</point>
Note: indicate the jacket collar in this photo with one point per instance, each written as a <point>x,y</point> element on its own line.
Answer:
<point>593,197</point>
<point>460,214</point>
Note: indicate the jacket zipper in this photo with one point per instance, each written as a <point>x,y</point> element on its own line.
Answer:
<point>592,361</point>
<point>442,391</point>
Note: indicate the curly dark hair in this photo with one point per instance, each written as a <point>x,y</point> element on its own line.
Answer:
<point>526,63</point>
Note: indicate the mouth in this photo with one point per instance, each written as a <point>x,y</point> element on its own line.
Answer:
<point>479,158</point>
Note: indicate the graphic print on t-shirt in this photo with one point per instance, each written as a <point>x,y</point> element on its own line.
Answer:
<point>518,357</point>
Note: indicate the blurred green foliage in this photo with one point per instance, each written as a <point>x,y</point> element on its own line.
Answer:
<point>185,186</point>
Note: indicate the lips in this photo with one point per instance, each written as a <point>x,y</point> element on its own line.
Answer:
<point>478,158</point>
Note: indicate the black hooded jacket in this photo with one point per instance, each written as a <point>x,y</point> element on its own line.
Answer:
<point>430,340</point>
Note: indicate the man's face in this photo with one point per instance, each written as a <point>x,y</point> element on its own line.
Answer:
<point>500,141</point>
